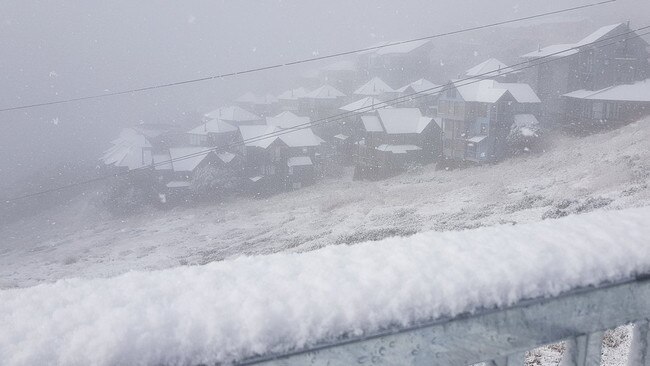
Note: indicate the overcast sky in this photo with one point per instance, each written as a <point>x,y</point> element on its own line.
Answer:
<point>63,49</point>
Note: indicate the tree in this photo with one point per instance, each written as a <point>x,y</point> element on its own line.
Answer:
<point>525,135</point>
<point>214,180</point>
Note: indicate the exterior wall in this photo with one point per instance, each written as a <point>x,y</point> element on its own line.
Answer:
<point>462,121</point>
<point>594,68</point>
<point>591,112</point>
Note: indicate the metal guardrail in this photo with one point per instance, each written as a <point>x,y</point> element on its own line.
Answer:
<point>499,337</point>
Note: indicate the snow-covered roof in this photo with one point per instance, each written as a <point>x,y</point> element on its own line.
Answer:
<point>374,87</point>
<point>162,161</point>
<point>599,34</point>
<point>482,91</point>
<point>341,137</point>
<point>325,92</point>
<point>232,114</point>
<point>294,94</point>
<point>372,124</point>
<point>214,126</point>
<point>489,68</point>
<point>369,103</point>
<point>287,120</point>
<point>637,92</point>
<point>299,161</point>
<point>490,91</point>
<point>301,138</point>
<point>186,159</point>
<point>421,86</point>
<point>178,184</point>
<point>562,50</point>
<point>402,48</point>
<point>522,93</point>
<point>398,149</point>
<point>226,157</point>
<point>131,150</point>
<point>403,120</point>
<point>255,134</point>
<point>256,178</point>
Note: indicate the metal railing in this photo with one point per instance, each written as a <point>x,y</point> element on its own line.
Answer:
<point>499,337</point>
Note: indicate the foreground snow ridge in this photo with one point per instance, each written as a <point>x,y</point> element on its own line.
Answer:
<point>231,310</point>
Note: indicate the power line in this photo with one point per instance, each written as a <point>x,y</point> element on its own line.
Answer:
<point>394,101</point>
<point>306,60</point>
<point>359,111</point>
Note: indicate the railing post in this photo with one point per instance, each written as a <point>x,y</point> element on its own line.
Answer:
<point>594,348</point>
<point>639,348</point>
<point>575,352</point>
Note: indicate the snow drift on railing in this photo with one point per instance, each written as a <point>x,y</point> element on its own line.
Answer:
<point>249,306</point>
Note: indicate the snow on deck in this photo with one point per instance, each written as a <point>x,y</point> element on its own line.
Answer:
<point>235,309</point>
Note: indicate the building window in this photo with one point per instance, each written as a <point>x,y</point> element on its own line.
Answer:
<point>598,110</point>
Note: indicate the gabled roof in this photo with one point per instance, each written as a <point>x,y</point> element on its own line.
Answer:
<point>186,159</point>
<point>301,138</point>
<point>562,50</point>
<point>232,114</point>
<point>369,103</point>
<point>131,149</point>
<point>255,134</point>
<point>402,48</point>
<point>483,91</point>
<point>491,91</point>
<point>599,34</point>
<point>215,126</point>
<point>522,93</point>
<point>403,120</point>
<point>421,86</point>
<point>226,157</point>
<point>637,92</point>
<point>374,87</point>
<point>325,92</point>
<point>304,137</point>
<point>287,120</point>
<point>489,68</point>
<point>294,94</point>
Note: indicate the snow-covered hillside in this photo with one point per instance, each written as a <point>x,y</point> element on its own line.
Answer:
<point>577,174</point>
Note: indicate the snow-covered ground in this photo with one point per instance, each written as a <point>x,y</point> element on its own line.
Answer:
<point>229,310</point>
<point>610,170</point>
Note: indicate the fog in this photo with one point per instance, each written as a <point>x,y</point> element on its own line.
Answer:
<point>54,50</point>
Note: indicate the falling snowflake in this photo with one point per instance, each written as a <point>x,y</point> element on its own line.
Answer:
<point>53,74</point>
<point>55,121</point>
<point>191,19</point>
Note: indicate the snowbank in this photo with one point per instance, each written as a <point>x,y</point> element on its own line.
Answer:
<point>230,310</point>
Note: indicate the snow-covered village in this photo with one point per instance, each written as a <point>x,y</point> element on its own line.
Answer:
<point>373,189</point>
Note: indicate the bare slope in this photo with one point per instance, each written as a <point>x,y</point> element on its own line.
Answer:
<point>605,171</point>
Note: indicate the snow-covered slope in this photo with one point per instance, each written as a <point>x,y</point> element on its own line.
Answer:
<point>232,309</point>
<point>604,171</point>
